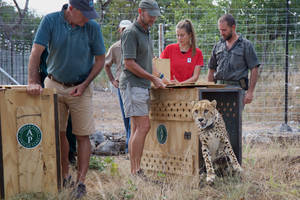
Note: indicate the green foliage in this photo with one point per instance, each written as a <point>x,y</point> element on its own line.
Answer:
<point>116,11</point>
<point>161,175</point>
<point>128,191</point>
<point>100,164</point>
<point>97,163</point>
<point>12,29</point>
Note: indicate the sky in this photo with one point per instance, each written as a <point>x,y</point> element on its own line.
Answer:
<point>41,7</point>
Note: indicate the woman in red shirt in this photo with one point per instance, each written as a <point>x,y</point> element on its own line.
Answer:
<point>185,58</point>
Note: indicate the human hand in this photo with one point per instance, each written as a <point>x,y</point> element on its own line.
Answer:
<point>78,90</point>
<point>175,81</point>
<point>248,97</point>
<point>166,81</point>
<point>158,83</point>
<point>34,89</point>
<point>115,83</point>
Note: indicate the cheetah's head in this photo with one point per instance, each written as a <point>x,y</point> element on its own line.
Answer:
<point>204,113</point>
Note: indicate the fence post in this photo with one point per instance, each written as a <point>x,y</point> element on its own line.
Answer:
<point>285,127</point>
<point>160,38</point>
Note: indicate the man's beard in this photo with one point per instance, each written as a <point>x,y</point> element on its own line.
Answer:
<point>147,24</point>
<point>228,37</point>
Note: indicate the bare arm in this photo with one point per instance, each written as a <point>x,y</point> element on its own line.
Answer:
<point>253,79</point>
<point>34,78</point>
<point>210,75</point>
<point>107,67</point>
<point>195,76</point>
<point>97,67</point>
<point>132,66</point>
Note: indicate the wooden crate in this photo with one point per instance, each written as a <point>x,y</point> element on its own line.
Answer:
<point>29,142</point>
<point>172,145</point>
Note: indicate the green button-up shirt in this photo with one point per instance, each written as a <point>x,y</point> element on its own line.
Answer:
<point>233,64</point>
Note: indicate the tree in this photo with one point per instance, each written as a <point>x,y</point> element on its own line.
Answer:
<point>17,25</point>
<point>112,12</point>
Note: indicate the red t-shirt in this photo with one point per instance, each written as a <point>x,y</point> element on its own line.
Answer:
<point>182,64</point>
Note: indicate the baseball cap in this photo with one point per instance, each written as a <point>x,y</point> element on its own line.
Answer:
<point>86,7</point>
<point>124,24</point>
<point>151,6</point>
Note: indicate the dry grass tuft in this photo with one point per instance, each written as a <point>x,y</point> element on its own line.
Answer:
<point>271,172</point>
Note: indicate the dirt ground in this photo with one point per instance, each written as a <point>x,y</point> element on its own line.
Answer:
<point>107,113</point>
<point>108,118</point>
<point>265,167</point>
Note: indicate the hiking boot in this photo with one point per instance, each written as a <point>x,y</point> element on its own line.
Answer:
<point>67,182</point>
<point>140,173</point>
<point>79,191</point>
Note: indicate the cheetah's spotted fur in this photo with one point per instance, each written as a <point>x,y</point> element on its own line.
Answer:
<point>213,136</point>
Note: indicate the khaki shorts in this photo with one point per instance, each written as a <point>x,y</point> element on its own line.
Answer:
<point>136,101</point>
<point>81,108</point>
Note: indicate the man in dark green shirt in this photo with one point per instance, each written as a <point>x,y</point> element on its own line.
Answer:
<point>232,58</point>
<point>136,78</point>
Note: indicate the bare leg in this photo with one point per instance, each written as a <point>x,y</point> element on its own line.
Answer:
<point>133,129</point>
<point>84,152</point>
<point>64,149</point>
<point>141,125</point>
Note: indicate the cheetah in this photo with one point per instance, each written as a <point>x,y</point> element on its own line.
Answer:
<point>213,137</point>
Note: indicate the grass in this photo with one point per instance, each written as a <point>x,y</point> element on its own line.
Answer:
<point>271,172</point>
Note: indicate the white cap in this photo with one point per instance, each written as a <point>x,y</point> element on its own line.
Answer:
<point>124,24</point>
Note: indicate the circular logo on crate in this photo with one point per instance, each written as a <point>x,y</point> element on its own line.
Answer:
<point>29,136</point>
<point>162,134</point>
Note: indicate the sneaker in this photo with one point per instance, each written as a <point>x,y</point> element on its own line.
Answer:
<point>140,173</point>
<point>80,191</point>
<point>67,182</point>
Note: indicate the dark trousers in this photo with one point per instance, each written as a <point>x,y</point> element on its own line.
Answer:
<point>70,136</point>
<point>125,120</point>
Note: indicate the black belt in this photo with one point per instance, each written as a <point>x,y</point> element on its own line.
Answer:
<point>228,82</point>
<point>50,76</point>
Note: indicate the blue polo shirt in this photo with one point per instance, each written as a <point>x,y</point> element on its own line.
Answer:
<point>71,49</point>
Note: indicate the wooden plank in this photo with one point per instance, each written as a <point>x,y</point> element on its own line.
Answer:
<point>171,110</point>
<point>174,94</point>
<point>50,154</point>
<point>30,170</point>
<point>12,86</point>
<point>197,84</point>
<point>9,144</point>
<point>163,66</point>
<point>57,143</point>
<point>30,165</point>
<point>2,196</point>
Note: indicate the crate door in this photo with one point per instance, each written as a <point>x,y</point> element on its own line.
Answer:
<point>229,104</point>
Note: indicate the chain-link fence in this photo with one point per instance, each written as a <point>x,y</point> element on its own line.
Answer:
<point>265,28</point>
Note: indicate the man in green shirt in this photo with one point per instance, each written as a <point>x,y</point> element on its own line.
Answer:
<point>232,58</point>
<point>136,78</point>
